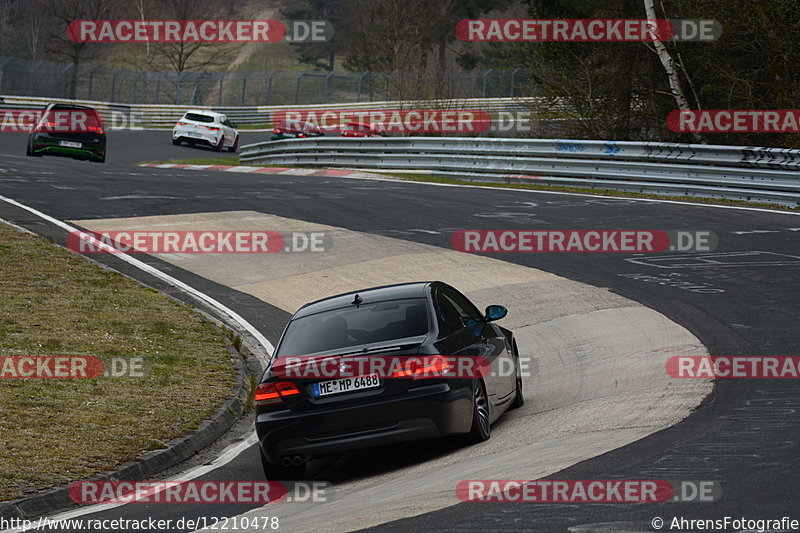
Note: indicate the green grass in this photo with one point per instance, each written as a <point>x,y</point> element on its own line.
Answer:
<point>55,302</point>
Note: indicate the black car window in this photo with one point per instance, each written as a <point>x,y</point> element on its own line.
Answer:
<point>464,307</point>
<point>450,319</point>
<point>354,326</point>
<point>198,118</point>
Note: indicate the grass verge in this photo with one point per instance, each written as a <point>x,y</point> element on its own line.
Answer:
<point>54,302</point>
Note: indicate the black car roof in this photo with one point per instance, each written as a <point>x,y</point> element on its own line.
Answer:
<point>72,106</point>
<point>417,289</point>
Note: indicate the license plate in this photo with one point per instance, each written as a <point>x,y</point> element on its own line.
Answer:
<point>338,386</point>
<point>69,144</point>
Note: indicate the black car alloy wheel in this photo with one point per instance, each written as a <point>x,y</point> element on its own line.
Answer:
<point>481,429</point>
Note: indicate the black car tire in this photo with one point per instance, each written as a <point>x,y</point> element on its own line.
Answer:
<point>218,147</point>
<point>519,399</point>
<point>275,472</point>
<point>481,429</point>
<point>31,153</point>
<point>101,160</point>
<point>235,146</point>
<point>176,142</point>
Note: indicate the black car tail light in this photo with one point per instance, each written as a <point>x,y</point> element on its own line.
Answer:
<point>274,392</point>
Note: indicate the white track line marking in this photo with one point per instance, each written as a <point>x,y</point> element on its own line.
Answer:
<point>228,454</point>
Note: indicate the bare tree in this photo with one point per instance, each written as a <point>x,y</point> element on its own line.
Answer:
<point>669,67</point>
<point>6,9</point>
<point>58,44</point>
<point>183,56</point>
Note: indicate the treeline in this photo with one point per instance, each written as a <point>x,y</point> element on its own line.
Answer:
<point>620,90</point>
<point>605,90</point>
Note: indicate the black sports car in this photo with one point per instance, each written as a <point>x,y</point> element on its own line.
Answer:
<point>68,130</point>
<point>383,365</point>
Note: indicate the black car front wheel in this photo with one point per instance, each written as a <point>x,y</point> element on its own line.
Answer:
<point>176,142</point>
<point>235,146</point>
<point>481,429</point>
<point>277,472</point>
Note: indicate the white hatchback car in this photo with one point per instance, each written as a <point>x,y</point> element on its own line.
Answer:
<point>206,127</point>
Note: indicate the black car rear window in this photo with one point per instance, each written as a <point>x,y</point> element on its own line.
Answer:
<point>199,118</point>
<point>354,326</point>
<point>80,117</point>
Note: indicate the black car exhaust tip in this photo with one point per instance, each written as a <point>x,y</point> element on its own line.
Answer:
<point>294,460</point>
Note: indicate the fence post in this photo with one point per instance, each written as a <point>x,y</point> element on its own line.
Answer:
<point>178,81</point>
<point>114,84</point>
<point>327,85</point>
<point>221,80</point>
<point>244,85</point>
<point>91,81</point>
<point>133,88</point>
<point>64,71</point>
<point>158,86</point>
<point>360,83</point>
<point>31,72</point>
<point>272,74</point>
<point>485,77</point>
<point>297,87</point>
<point>513,81</point>
<point>3,64</point>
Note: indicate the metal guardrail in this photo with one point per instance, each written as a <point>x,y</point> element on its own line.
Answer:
<point>167,115</point>
<point>770,175</point>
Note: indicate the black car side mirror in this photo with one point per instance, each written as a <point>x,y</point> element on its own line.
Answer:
<point>495,312</point>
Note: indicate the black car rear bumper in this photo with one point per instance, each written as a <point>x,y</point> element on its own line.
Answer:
<point>424,412</point>
<point>91,148</point>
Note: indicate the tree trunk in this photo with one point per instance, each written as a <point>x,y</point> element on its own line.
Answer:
<point>669,67</point>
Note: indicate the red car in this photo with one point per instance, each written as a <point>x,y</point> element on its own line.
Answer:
<point>307,130</point>
<point>359,129</point>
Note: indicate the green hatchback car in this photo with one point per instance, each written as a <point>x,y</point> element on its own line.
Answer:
<point>68,130</point>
